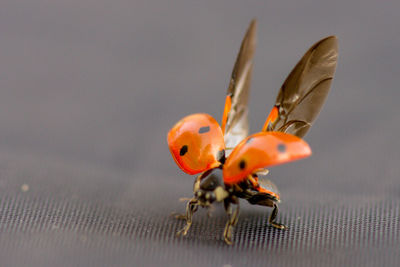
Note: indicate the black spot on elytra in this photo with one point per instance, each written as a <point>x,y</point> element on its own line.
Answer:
<point>204,129</point>
<point>281,148</point>
<point>242,164</point>
<point>183,150</point>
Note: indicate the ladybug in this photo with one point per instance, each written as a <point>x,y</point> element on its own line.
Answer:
<point>230,164</point>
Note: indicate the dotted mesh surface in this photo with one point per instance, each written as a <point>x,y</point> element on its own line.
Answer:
<point>37,231</point>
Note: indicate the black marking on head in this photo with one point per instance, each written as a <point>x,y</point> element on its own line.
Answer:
<point>242,164</point>
<point>184,150</point>
<point>204,129</point>
<point>281,148</point>
<point>221,156</point>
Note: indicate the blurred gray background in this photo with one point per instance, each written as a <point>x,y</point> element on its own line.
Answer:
<point>89,90</point>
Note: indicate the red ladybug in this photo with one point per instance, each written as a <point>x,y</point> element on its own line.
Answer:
<point>227,161</point>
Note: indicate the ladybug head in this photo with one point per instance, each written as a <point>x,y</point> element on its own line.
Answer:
<point>211,187</point>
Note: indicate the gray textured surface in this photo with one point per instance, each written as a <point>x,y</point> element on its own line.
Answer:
<point>89,89</point>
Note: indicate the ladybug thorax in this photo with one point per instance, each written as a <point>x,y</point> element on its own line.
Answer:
<point>210,187</point>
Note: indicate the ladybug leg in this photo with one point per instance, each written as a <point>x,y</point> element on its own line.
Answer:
<point>272,218</point>
<point>180,216</point>
<point>191,208</point>
<point>233,216</point>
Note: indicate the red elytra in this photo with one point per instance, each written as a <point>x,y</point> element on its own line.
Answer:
<point>262,150</point>
<point>195,142</point>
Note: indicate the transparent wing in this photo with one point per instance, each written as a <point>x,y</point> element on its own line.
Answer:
<point>303,93</point>
<point>267,186</point>
<point>234,120</point>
